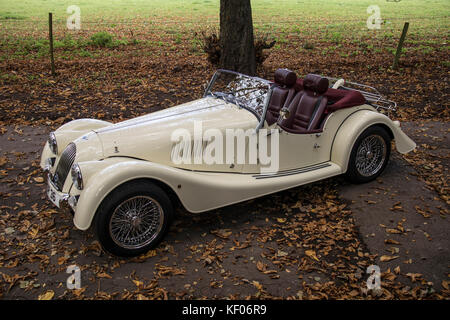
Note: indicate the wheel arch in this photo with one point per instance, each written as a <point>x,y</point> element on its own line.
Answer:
<point>164,186</point>
<point>355,124</point>
<point>114,174</point>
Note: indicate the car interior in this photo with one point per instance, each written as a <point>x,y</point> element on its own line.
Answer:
<point>307,101</point>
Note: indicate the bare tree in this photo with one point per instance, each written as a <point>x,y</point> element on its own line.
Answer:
<point>236,36</point>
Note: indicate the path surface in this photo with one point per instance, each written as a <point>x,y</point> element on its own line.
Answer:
<point>249,249</point>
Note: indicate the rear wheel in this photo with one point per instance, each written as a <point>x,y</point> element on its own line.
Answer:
<point>369,156</point>
<point>133,218</point>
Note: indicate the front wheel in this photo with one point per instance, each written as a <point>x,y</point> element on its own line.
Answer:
<point>369,156</point>
<point>133,218</point>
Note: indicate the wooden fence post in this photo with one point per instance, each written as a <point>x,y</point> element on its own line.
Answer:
<point>400,45</point>
<point>50,34</point>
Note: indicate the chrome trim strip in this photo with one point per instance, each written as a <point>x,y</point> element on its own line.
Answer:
<point>293,171</point>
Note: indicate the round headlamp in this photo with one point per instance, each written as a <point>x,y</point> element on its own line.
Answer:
<point>77,178</point>
<point>53,145</point>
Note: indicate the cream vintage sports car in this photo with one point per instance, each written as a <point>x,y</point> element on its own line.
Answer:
<point>247,137</point>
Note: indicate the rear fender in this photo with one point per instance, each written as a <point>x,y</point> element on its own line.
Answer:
<point>355,124</point>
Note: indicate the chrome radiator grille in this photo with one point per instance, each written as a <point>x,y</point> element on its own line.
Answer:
<point>64,166</point>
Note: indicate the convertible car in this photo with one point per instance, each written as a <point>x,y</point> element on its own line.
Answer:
<point>125,178</point>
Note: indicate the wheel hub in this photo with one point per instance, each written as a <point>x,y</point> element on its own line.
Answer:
<point>136,222</point>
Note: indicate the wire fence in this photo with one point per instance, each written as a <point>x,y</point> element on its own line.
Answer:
<point>143,26</point>
<point>423,31</point>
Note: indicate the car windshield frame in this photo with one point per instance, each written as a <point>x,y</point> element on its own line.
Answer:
<point>231,99</point>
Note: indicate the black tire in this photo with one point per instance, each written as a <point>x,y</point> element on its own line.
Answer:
<point>118,204</point>
<point>356,172</point>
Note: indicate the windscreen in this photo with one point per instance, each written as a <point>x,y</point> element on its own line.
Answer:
<point>244,91</point>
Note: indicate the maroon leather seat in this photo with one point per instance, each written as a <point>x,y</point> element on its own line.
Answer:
<point>307,107</point>
<point>282,93</point>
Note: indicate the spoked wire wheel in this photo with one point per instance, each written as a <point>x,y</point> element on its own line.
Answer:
<point>133,218</point>
<point>136,222</point>
<point>371,155</point>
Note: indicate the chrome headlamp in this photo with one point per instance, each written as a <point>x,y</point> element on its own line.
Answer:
<point>77,178</point>
<point>53,145</point>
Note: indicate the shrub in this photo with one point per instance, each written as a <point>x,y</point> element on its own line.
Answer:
<point>102,39</point>
<point>308,46</point>
<point>211,45</point>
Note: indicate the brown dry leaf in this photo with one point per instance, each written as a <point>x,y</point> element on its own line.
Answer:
<point>413,276</point>
<point>391,241</point>
<point>397,270</point>
<point>311,254</point>
<point>39,179</point>
<point>47,296</point>
<point>388,258</point>
<point>79,292</point>
<point>62,260</point>
<point>257,285</point>
<point>260,266</point>
<point>103,275</point>
<point>222,233</point>
<point>138,283</point>
<point>393,231</point>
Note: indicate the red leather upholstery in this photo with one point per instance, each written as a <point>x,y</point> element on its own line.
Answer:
<point>277,100</point>
<point>281,95</point>
<point>298,85</point>
<point>285,77</point>
<point>316,83</point>
<point>306,116</point>
<point>341,98</point>
<point>307,108</point>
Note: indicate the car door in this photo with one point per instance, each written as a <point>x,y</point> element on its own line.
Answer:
<point>302,150</point>
<point>286,151</point>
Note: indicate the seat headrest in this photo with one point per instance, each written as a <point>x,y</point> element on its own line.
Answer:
<point>285,77</point>
<point>316,83</point>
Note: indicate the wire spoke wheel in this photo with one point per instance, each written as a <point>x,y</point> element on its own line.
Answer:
<point>136,222</point>
<point>371,155</point>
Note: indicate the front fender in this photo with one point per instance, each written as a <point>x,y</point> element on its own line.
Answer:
<point>75,129</point>
<point>102,177</point>
<point>355,124</point>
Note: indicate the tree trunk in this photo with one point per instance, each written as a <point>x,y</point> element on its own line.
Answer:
<point>236,36</point>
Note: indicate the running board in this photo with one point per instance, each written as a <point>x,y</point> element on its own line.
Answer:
<point>293,171</point>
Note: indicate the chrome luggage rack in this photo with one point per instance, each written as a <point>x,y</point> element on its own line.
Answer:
<point>371,94</point>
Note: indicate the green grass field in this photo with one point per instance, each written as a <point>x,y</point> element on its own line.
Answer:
<point>193,9</point>
<point>24,24</point>
<point>282,14</point>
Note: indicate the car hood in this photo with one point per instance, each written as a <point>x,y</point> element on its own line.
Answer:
<point>150,137</point>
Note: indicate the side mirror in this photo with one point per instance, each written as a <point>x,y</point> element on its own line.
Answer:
<point>285,113</point>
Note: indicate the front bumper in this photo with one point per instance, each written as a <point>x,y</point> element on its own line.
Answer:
<point>60,199</point>
<point>55,196</point>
